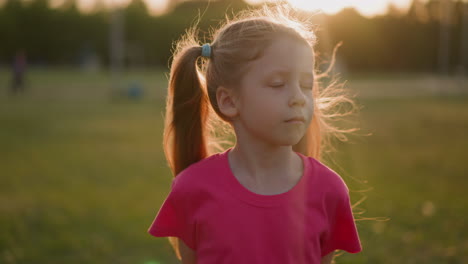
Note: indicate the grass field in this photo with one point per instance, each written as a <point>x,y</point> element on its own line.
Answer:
<point>83,175</point>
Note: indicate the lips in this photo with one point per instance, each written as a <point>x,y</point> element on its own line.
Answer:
<point>296,119</point>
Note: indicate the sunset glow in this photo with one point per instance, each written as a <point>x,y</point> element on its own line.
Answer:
<point>365,7</point>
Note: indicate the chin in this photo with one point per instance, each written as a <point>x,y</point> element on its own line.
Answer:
<point>290,141</point>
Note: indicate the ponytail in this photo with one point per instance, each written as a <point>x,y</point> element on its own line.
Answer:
<point>186,111</point>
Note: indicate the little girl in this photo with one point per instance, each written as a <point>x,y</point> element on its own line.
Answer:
<point>268,199</point>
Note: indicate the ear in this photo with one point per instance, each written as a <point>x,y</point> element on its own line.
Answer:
<point>226,102</point>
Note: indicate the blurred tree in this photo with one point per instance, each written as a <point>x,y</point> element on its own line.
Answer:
<point>396,41</point>
<point>419,11</point>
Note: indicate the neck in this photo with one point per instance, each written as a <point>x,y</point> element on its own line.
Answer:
<point>264,164</point>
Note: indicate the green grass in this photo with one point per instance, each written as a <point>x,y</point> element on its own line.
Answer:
<point>83,175</point>
<point>415,163</point>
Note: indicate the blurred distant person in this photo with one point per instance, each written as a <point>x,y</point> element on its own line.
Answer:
<point>18,72</point>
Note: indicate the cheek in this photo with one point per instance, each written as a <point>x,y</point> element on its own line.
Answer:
<point>311,107</point>
<point>255,100</point>
<point>262,112</point>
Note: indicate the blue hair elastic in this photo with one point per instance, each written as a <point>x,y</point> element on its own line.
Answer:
<point>206,50</point>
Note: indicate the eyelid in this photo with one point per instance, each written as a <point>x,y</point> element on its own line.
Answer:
<point>276,84</point>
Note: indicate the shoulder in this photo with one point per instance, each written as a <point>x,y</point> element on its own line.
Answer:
<point>197,173</point>
<point>328,180</point>
<point>194,184</point>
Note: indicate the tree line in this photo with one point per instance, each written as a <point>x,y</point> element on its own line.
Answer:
<point>396,41</point>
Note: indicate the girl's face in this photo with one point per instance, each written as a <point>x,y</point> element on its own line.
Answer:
<point>277,88</point>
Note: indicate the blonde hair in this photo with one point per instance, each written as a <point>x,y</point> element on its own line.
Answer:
<point>193,119</point>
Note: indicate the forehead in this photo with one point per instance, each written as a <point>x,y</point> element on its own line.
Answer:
<point>283,55</point>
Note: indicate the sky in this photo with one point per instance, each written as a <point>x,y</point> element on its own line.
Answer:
<point>365,7</point>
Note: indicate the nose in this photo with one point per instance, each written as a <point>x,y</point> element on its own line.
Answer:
<point>297,97</point>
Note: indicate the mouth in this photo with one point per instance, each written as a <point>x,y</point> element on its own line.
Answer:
<point>296,119</point>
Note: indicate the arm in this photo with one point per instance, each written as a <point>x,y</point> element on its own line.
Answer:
<point>328,258</point>
<point>187,254</point>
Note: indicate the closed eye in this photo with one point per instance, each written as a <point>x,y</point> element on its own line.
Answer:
<point>277,84</point>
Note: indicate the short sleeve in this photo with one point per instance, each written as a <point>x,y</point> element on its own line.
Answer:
<point>173,218</point>
<point>342,232</point>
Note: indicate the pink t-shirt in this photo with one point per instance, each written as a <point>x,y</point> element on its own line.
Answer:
<point>224,222</point>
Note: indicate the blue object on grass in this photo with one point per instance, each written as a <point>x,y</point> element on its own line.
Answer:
<point>135,90</point>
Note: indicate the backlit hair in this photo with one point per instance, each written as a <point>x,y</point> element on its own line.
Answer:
<point>193,121</point>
